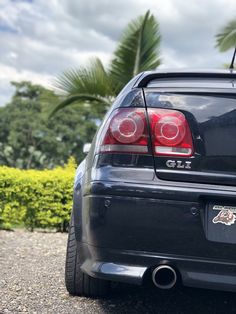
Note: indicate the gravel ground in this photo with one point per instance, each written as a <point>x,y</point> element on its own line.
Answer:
<point>32,281</point>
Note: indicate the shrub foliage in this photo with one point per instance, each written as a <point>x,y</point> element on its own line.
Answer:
<point>36,198</point>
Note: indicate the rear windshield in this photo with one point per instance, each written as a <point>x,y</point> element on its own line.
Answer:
<point>193,83</point>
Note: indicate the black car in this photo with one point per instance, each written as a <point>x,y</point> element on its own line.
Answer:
<point>155,198</point>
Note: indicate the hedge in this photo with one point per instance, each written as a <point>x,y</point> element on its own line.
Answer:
<point>35,198</point>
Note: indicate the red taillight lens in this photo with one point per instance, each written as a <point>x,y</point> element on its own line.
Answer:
<point>126,132</point>
<point>127,127</point>
<point>170,133</point>
<point>170,129</point>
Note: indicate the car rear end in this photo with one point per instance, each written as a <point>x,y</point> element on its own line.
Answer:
<point>159,184</point>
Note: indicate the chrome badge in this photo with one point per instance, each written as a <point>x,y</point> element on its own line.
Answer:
<point>179,164</point>
<point>226,216</point>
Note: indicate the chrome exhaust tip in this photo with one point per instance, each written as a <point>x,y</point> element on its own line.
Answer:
<point>164,277</point>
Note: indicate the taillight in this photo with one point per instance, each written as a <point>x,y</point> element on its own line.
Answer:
<point>170,133</point>
<point>126,131</point>
<point>127,127</point>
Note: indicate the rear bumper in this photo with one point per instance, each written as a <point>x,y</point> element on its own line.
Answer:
<point>128,229</point>
<point>135,267</point>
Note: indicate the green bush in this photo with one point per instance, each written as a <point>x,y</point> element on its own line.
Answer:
<point>36,199</point>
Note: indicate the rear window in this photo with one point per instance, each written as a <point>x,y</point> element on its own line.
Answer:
<point>192,83</point>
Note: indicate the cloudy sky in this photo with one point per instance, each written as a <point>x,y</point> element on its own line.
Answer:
<point>41,38</point>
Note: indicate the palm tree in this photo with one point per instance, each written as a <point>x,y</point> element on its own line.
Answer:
<point>226,39</point>
<point>137,51</point>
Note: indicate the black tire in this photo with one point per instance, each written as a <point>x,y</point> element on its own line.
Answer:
<point>77,282</point>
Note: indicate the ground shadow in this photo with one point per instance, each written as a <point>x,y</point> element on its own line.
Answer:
<point>132,299</point>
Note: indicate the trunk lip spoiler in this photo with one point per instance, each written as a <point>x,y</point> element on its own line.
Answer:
<point>146,77</point>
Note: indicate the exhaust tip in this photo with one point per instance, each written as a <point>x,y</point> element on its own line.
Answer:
<point>164,277</point>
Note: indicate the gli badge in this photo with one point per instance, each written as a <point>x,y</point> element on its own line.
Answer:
<point>179,164</point>
<point>226,216</point>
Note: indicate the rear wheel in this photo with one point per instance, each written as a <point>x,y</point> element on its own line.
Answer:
<point>77,282</point>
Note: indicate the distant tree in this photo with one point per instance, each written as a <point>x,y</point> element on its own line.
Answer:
<point>226,38</point>
<point>29,140</point>
<point>137,51</point>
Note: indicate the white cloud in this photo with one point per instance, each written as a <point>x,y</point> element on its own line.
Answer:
<point>41,38</point>
<point>8,73</point>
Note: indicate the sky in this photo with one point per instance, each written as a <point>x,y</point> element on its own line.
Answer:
<point>39,39</point>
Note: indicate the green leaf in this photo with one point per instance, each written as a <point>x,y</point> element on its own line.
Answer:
<point>226,39</point>
<point>92,80</point>
<point>79,98</point>
<point>138,50</point>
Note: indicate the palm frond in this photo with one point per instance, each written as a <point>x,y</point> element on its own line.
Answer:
<point>137,51</point>
<point>226,39</point>
<point>92,80</point>
<point>80,98</point>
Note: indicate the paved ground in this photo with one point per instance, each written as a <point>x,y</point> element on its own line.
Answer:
<point>32,281</point>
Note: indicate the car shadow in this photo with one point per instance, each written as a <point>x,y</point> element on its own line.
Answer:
<point>148,299</point>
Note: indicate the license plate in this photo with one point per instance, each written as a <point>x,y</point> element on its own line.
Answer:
<point>221,222</point>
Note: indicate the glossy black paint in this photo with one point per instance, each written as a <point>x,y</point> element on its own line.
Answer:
<point>213,124</point>
<point>132,213</point>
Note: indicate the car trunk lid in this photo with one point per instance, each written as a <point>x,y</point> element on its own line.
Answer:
<point>209,107</point>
